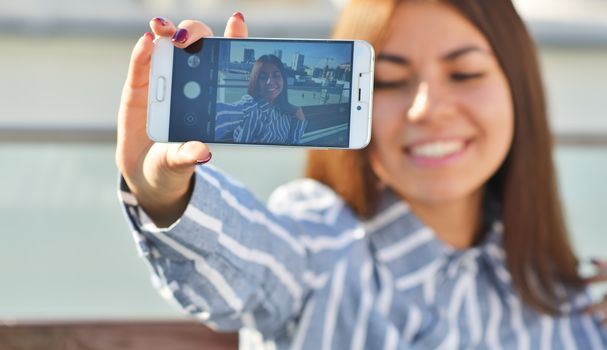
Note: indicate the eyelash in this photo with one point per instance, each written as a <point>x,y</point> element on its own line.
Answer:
<point>386,85</point>
<point>458,77</point>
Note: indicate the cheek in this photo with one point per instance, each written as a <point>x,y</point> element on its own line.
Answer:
<point>387,123</point>
<point>493,115</point>
<point>387,132</point>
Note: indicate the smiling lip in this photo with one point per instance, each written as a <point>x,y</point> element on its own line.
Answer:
<point>436,153</point>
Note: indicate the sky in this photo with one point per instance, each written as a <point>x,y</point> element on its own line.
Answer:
<point>315,54</point>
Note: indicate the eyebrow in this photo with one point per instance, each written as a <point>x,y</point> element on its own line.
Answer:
<point>393,59</point>
<point>462,51</point>
<point>403,61</point>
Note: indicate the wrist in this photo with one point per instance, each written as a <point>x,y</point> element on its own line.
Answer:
<point>164,207</point>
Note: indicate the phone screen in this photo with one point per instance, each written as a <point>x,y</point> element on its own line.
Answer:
<point>256,91</point>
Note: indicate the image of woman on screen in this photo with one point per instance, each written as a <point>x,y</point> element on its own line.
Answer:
<point>264,114</point>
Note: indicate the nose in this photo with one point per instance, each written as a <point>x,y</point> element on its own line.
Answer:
<point>271,79</point>
<point>419,107</point>
<point>429,102</point>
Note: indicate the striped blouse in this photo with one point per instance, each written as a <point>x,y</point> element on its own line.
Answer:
<point>252,121</point>
<point>307,273</point>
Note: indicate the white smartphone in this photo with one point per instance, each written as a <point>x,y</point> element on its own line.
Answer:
<point>290,92</point>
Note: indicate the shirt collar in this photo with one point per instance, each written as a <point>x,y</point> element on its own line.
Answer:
<point>408,247</point>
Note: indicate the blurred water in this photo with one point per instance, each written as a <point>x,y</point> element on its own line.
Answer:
<point>66,251</point>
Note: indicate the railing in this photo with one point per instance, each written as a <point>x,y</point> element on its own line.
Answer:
<point>97,135</point>
<point>113,335</point>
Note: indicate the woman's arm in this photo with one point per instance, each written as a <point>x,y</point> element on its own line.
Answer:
<point>299,114</point>
<point>212,247</point>
<point>158,174</point>
<point>298,126</point>
<point>228,260</point>
<point>229,116</point>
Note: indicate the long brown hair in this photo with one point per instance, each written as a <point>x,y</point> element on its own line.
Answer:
<point>539,255</point>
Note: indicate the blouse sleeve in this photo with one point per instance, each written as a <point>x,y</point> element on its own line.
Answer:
<point>228,260</point>
<point>297,129</point>
<point>229,116</point>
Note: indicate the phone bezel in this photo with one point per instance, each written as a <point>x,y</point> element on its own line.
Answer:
<point>363,60</point>
<point>363,57</point>
<point>161,67</point>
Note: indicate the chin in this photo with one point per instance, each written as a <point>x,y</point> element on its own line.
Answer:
<point>433,193</point>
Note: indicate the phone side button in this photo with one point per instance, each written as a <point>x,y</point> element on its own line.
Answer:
<point>160,89</point>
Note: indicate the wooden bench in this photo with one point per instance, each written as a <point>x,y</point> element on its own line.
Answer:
<point>113,335</point>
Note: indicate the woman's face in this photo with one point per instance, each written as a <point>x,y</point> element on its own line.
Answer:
<point>270,81</point>
<point>443,117</point>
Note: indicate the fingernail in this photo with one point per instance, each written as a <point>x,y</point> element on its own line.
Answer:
<point>149,35</point>
<point>239,15</point>
<point>206,160</point>
<point>180,36</point>
<point>160,20</point>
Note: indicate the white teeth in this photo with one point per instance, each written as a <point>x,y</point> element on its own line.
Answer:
<point>437,149</point>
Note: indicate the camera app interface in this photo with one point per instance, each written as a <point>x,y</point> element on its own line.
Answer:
<point>262,92</point>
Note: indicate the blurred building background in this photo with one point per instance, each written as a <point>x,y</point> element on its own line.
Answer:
<point>65,249</point>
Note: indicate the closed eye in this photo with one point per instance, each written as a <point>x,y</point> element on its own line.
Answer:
<point>395,84</point>
<point>459,77</point>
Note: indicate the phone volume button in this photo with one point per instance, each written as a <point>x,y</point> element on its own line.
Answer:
<point>160,89</point>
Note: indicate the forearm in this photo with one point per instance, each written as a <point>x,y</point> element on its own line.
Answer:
<point>225,253</point>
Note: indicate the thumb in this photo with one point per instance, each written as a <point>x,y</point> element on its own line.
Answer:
<point>183,157</point>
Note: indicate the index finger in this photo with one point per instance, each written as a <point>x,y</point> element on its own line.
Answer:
<point>190,31</point>
<point>139,68</point>
<point>236,27</point>
<point>162,26</point>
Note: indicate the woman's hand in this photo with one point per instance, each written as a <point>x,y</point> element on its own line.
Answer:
<point>159,174</point>
<point>601,276</point>
<point>300,114</point>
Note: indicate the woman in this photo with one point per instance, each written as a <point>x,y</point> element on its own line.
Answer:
<point>264,114</point>
<point>445,233</point>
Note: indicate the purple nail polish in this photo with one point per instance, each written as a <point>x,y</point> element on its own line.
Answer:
<point>238,15</point>
<point>162,21</point>
<point>180,36</point>
<point>206,160</point>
